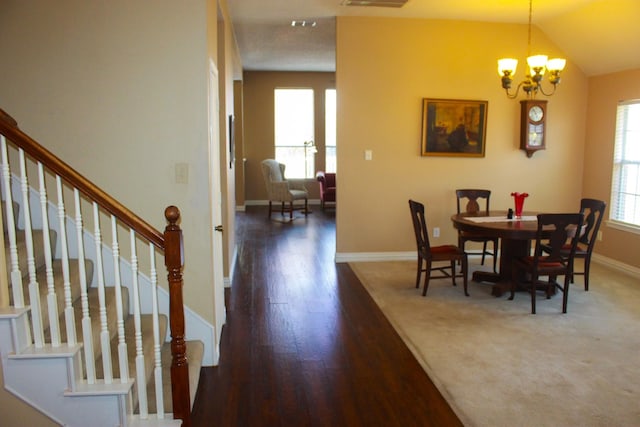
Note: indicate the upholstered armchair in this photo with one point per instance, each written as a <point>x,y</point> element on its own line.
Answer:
<point>327,182</point>
<point>282,190</point>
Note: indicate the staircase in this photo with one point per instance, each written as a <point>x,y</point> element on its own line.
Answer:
<point>82,338</point>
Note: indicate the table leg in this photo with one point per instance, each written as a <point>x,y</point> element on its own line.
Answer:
<point>509,249</point>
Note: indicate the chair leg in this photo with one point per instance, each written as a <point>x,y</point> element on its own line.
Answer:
<point>427,276</point>
<point>282,209</point>
<point>306,206</point>
<point>453,272</point>
<point>465,267</point>
<point>533,294</point>
<point>269,209</point>
<point>419,271</point>
<point>291,209</point>
<point>565,293</point>
<point>495,256</point>
<point>587,262</point>
<point>551,286</point>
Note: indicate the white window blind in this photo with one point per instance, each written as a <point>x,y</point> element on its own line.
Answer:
<point>625,188</point>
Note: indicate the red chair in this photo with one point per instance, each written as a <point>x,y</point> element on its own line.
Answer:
<point>327,182</point>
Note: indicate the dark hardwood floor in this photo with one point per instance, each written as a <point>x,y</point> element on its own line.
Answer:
<point>304,343</point>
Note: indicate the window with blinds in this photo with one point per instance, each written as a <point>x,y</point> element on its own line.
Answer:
<point>625,188</point>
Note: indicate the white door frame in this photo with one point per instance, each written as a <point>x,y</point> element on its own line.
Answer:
<point>215,187</point>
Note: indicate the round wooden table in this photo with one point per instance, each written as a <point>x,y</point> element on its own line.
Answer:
<point>515,241</point>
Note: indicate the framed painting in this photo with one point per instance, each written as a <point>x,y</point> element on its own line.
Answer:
<point>452,127</point>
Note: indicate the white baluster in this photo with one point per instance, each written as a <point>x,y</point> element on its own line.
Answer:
<point>34,292</point>
<point>16,274</point>
<point>52,300</point>
<point>122,344</point>
<point>104,328</point>
<point>157,343</point>
<point>87,334</point>
<point>69,318</point>
<point>140,367</point>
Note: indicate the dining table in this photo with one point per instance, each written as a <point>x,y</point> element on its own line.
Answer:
<point>515,236</point>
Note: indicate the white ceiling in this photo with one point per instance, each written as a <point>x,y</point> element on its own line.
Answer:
<point>600,36</point>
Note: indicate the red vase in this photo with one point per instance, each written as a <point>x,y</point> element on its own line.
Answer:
<point>519,203</point>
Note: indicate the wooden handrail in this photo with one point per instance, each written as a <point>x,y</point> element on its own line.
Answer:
<point>9,128</point>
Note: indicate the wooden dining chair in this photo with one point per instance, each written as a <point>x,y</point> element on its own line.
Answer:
<point>593,211</point>
<point>554,230</point>
<point>471,197</point>
<point>428,254</point>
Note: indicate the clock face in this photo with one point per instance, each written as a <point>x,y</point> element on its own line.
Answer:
<point>536,113</point>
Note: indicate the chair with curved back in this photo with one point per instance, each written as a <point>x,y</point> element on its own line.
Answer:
<point>282,190</point>
<point>472,205</point>
<point>554,230</point>
<point>593,211</point>
<point>428,254</point>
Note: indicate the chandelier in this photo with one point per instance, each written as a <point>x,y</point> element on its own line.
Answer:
<point>538,64</point>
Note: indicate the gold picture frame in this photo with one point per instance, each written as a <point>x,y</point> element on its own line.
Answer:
<point>452,127</point>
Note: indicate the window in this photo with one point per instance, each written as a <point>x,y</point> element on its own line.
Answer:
<point>625,188</point>
<point>294,136</point>
<point>330,130</point>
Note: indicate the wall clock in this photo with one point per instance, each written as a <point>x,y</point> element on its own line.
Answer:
<point>533,116</point>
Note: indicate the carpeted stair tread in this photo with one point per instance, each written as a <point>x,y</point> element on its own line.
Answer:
<point>58,280</point>
<point>94,313</point>
<point>21,245</point>
<point>195,353</point>
<point>146,326</point>
<point>195,349</point>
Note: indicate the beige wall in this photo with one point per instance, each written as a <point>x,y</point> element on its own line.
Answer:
<point>16,412</point>
<point>258,90</point>
<point>384,69</point>
<point>111,86</point>
<point>604,93</point>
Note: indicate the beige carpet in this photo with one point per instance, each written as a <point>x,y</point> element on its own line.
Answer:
<point>499,365</point>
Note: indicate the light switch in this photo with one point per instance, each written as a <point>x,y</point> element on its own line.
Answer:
<point>182,173</point>
<point>368,155</point>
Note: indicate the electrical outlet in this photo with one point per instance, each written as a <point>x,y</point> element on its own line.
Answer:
<point>599,236</point>
<point>436,231</point>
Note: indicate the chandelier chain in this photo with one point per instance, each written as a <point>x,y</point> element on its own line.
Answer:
<point>529,38</point>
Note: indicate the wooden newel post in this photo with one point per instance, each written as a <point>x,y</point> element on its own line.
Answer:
<point>174,260</point>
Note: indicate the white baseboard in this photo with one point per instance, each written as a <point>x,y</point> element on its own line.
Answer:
<point>616,265</point>
<point>342,257</point>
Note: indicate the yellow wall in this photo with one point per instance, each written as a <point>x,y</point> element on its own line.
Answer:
<point>258,101</point>
<point>385,67</point>
<point>604,93</point>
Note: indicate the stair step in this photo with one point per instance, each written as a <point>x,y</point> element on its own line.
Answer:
<point>21,243</point>
<point>74,280</point>
<point>194,349</point>
<point>195,353</point>
<point>146,325</point>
